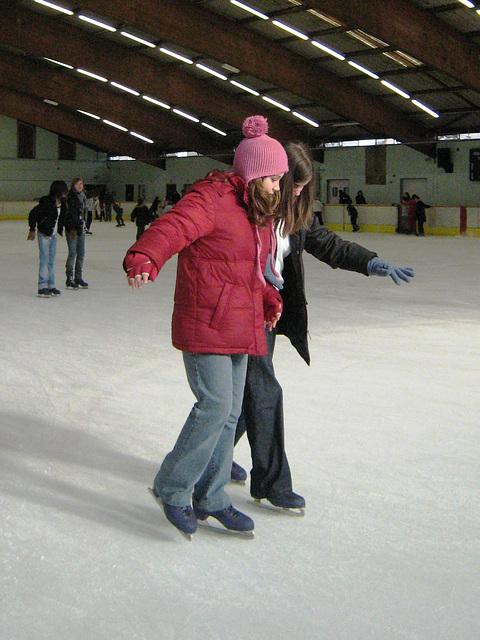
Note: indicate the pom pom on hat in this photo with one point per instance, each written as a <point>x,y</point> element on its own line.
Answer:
<point>258,155</point>
<point>255,126</point>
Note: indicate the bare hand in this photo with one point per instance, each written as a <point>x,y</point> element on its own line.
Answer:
<point>31,235</point>
<point>273,322</point>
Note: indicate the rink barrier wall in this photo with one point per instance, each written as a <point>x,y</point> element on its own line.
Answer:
<point>441,220</point>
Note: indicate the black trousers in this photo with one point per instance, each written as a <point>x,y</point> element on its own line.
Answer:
<point>262,419</point>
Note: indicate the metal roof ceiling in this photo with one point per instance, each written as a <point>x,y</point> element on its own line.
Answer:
<point>427,49</point>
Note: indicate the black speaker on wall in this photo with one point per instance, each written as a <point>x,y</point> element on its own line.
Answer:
<point>318,155</point>
<point>444,160</point>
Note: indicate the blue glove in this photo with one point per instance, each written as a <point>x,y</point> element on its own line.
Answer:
<point>377,267</point>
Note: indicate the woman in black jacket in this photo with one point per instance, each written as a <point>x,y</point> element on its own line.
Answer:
<point>49,218</point>
<point>75,234</point>
<point>262,412</point>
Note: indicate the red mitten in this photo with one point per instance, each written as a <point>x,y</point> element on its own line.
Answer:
<point>140,269</point>
<point>272,304</point>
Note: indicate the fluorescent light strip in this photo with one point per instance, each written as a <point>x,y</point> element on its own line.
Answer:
<point>244,87</point>
<point>209,126</point>
<point>363,69</point>
<point>92,75</point>
<point>467,3</point>
<point>157,102</point>
<point>50,5</point>
<point>294,32</point>
<point>97,23</point>
<point>426,109</point>
<point>123,88</point>
<point>275,103</point>
<point>144,138</point>
<point>249,9</point>
<point>331,52</point>
<point>61,64</point>
<point>300,116</point>
<point>176,55</point>
<point>52,102</point>
<point>90,115</point>
<point>113,124</point>
<point>211,71</point>
<point>392,87</point>
<point>185,115</point>
<point>137,39</point>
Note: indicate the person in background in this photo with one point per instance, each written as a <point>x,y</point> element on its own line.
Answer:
<point>48,216</point>
<point>262,412</point>
<point>222,230</point>
<point>360,198</point>
<point>141,216</point>
<point>92,211</point>
<point>420,214</point>
<point>109,201</point>
<point>118,215</point>
<point>154,209</point>
<point>318,209</point>
<point>410,202</point>
<point>75,234</point>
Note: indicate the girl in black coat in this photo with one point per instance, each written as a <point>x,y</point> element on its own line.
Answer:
<point>262,412</point>
<point>49,218</point>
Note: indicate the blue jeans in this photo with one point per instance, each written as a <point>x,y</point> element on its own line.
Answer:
<point>201,460</point>
<point>76,254</point>
<point>47,246</point>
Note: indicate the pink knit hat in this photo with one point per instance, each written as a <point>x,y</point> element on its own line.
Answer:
<point>258,155</point>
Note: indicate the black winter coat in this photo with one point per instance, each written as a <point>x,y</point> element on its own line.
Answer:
<point>44,216</point>
<point>76,212</point>
<point>327,247</point>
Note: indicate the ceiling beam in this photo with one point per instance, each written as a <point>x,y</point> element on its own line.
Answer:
<point>213,35</point>
<point>72,90</point>
<point>46,36</point>
<point>32,110</point>
<point>406,26</point>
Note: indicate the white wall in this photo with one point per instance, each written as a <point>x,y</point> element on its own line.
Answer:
<point>29,179</point>
<point>403,162</point>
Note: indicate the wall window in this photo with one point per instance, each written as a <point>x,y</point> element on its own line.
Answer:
<point>67,149</point>
<point>26,140</point>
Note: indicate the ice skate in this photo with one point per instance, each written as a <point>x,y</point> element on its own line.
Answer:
<point>238,474</point>
<point>287,502</point>
<point>183,518</point>
<point>233,522</point>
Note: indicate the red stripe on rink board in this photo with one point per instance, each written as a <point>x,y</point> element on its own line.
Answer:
<point>463,219</point>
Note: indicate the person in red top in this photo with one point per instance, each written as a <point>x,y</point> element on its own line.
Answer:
<point>222,231</point>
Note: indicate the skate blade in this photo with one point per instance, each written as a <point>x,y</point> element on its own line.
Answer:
<point>240,482</point>
<point>187,536</point>
<point>219,528</point>
<point>296,513</point>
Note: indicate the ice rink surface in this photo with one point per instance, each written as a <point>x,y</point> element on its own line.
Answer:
<point>382,435</point>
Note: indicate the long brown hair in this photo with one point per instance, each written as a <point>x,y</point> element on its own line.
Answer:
<point>262,205</point>
<point>295,211</point>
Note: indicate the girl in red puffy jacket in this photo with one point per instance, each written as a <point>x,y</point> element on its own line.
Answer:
<point>222,231</point>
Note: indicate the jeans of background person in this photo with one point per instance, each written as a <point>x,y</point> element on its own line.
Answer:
<point>47,246</point>
<point>140,231</point>
<point>201,460</point>
<point>108,212</point>
<point>76,254</point>
<point>262,419</point>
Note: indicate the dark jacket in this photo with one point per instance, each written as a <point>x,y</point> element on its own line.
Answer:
<point>420,211</point>
<point>327,247</point>
<point>76,212</point>
<point>141,215</point>
<point>44,216</point>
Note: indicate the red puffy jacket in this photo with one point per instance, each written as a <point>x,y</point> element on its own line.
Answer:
<point>220,292</point>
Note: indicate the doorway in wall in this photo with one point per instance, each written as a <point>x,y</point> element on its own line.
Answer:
<point>333,187</point>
